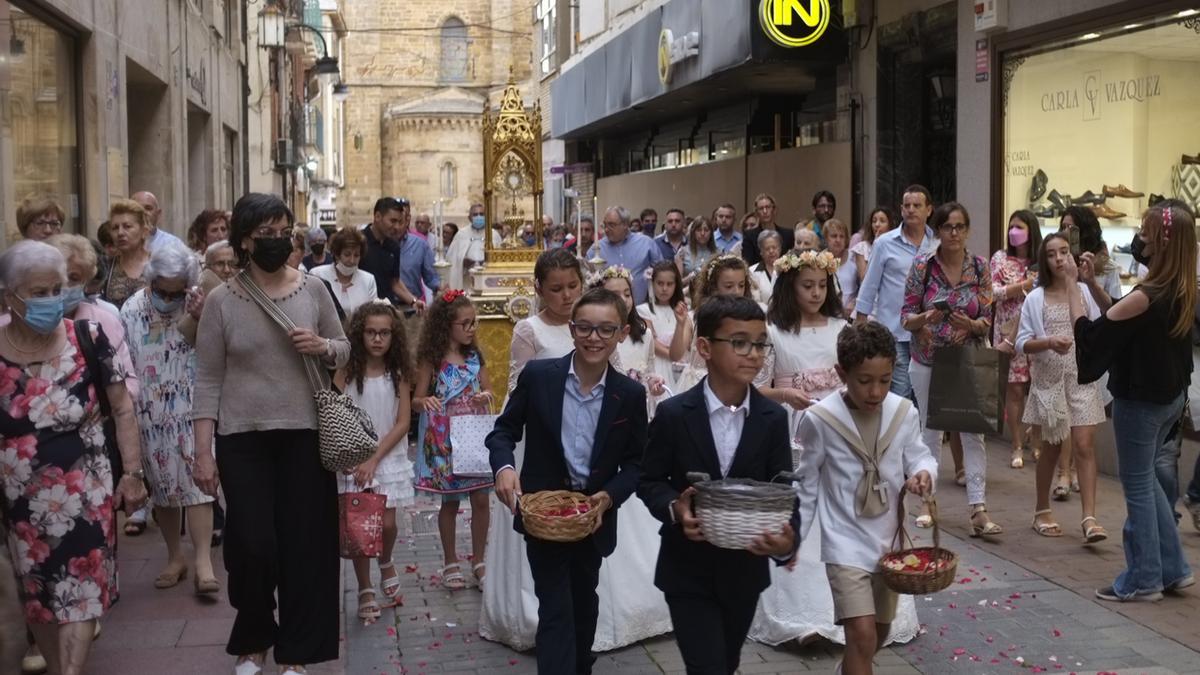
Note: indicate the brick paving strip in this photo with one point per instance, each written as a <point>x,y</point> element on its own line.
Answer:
<point>1021,604</point>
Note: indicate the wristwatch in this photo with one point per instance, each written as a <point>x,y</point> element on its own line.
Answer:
<point>139,474</point>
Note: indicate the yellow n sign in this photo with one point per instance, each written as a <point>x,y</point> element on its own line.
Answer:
<point>775,17</point>
<point>785,9</point>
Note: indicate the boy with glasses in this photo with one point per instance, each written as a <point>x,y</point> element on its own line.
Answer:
<point>725,428</point>
<point>584,425</point>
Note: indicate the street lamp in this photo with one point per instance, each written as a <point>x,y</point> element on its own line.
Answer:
<point>341,92</point>
<point>273,29</point>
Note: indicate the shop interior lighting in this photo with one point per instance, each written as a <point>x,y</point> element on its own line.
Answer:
<point>1089,36</point>
<point>1187,13</point>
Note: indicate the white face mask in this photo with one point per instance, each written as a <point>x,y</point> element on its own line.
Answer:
<point>346,270</point>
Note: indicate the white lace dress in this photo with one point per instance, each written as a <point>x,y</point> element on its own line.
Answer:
<point>799,604</point>
<point>631,607</point>
<point>664,322</point>
<point>394,475</point>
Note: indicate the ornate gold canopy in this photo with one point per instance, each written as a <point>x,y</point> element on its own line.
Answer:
<point>512,179</point>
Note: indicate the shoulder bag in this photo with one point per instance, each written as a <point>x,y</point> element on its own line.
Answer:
<point>347,436</point>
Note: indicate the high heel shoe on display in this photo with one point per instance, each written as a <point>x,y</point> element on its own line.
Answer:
<point>1121,191</point>
<point>1037,187</point>
<point>1059,200</point>
<point>1089,197</point>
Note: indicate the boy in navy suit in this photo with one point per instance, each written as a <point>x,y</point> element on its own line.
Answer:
<point>725,428</point>
<point>585,430</point>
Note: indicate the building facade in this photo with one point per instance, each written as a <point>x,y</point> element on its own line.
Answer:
<point>420,73</point>
<point>99,99</point>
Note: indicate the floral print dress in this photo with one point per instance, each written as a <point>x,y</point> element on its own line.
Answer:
<point>166,369</point>
<point>456,384</point>
<point>927,284</point>
<point>1008,270</point>
<point>57,481</point>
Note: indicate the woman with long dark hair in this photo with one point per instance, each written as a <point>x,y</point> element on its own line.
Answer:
<point>1144,343</point>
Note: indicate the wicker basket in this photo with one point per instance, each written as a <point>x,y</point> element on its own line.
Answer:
<point>537,514</point>
<point>733,512</point>
<point>939,571</point>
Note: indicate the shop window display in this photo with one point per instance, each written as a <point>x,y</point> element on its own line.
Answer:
<point>1108,120</point>
<point>38,145</point>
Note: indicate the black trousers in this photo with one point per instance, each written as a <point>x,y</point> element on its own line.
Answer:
<point>711,627</point>
<point>281,535</point>
<point>565,577</point>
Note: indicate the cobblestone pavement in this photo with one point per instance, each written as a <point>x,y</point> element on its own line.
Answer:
<point>1022,603</point>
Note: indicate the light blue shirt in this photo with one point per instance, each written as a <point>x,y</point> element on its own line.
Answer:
<point>161,238</point>
<point>416,265</point>
<point>881,293</point>
<point>723,244</point>
<point>580,416</point>
<point>636,253</point>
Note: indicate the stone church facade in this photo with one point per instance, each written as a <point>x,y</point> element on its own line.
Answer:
<point>420,72</point>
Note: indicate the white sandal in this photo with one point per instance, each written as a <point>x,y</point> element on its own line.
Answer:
<point>390,585</point>
<point>479,577</point>
<point>249,664</point>
<point>452,580</point>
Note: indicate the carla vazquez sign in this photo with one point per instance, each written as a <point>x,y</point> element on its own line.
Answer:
<point>1096,92</point>
<point>793,23</point>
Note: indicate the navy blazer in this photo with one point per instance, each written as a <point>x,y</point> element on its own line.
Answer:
<point>534,409</point>
<point>680,441</point>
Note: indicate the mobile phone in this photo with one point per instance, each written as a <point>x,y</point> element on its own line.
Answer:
<point>1073,240</point>
<point>942,305</point>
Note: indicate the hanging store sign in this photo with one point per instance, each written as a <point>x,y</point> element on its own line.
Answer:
<point>672,50</point>
<point>793,23</point>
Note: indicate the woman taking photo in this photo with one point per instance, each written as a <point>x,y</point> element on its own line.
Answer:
<point>58,492</point>
<point>1144,343</point>
<point>1014,270</point>
<point>253,395</point>
<point>950,277</point>
<point>127,220</point>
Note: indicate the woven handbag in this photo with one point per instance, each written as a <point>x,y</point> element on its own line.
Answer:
<point>347,436</point>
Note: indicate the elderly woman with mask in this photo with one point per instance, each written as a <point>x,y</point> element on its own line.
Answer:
<point>56,477</point>
<point>166,363</point>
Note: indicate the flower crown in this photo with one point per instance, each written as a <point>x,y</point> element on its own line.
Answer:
<point>716,261</point>
<point>597,279</point>
<point>1166,228</point>
<point>452,295</point>
<point>824,261</point>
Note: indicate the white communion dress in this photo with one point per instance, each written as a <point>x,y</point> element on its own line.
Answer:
<point>631,607</point>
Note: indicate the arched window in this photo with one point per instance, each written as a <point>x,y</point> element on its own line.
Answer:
<point>455,47</point>
<point>449,180</point>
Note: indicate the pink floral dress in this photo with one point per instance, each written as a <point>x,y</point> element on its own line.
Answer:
<point>57,481</point>
<point>1008,270</point>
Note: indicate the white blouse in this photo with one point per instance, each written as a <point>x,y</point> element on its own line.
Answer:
<point>360,291</point>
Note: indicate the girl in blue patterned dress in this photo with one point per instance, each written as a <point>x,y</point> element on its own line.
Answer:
<point>451,380</point>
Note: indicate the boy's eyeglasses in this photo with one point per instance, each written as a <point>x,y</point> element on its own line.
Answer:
<point>743,347</point>
<point>582,331</point>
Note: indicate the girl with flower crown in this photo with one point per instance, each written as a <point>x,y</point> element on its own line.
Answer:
<point>451,380</point>
<point>636,352</point>
<point>803,322</point>
<point>804,319</point>
<point>725,274</point>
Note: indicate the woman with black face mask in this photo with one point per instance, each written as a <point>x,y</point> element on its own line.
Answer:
<point>252,391</point>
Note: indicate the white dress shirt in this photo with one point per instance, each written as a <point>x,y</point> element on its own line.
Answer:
<point>726,423</point>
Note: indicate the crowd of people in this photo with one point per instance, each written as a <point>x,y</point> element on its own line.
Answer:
<point>142,372</point>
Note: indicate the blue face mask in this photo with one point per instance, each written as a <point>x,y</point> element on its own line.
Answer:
<point>72,296</point>
<point>477,222</point>
<point>43,314</point>
<point>164,306</point>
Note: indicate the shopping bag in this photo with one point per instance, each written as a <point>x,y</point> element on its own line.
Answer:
<point>966,389</point>
<point>468,454</point>
<point>360,524</point>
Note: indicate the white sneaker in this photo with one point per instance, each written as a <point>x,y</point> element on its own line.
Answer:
<point>247,667</point>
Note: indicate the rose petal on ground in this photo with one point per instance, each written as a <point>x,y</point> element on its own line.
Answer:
<point>959,651</point>
<point>1056,632</point>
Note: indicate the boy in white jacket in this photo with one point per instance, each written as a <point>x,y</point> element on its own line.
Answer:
<point>859,447</point>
